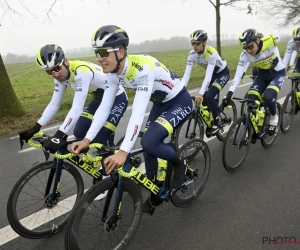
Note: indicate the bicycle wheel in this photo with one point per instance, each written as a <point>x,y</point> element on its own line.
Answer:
<point>268,141</point>
<point>288,112</point>
<point>199,165</point>
<point>238,138</point>
<point>30,213</point>
<point>89,228</point>
<point>185,131</point>
<point>228,116</point>
<point>244,105</point>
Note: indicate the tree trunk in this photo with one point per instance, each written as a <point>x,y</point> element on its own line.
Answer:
<point>218,24</point>
<point>9,103</point>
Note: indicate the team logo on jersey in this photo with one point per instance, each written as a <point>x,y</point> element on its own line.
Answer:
<point>168,84</point>
<point>143,80</point>
<point>137,66</point>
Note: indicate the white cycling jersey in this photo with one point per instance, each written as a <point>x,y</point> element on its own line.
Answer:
<point>150,79</point>
<point>85,78</point>
<point>291,48</point>
<point>210,60</point>
<point>267,59</point>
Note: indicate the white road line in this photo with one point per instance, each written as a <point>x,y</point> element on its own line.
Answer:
<point>7,233</point>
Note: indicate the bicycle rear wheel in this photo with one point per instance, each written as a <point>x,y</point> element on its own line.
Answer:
<point>89,228</point>
<point>185,132</point>
<point>199,160</point>
<point>238,138</point>
<point>268,141</point>
<point>288,112</point>
<point>34,216</point>
<point>228,116</point>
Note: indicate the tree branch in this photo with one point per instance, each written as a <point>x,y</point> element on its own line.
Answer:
<point>212,3</point>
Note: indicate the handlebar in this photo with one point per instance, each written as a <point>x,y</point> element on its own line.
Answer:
<point>40,137</point>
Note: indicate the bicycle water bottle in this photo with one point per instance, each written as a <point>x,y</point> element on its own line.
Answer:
<point>161,170</point>
<point>261,116</point>
<point>298,96</point>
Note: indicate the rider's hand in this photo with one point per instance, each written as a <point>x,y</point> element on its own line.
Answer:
<point>226,100</point>
<point>288,68</point>
<point>198,99</point>
<point>115,161</point>
<point>79,145</point>
<point>28,134</point>
<point>54,142</point>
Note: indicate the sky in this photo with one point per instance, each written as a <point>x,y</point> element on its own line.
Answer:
<point>74,21</point>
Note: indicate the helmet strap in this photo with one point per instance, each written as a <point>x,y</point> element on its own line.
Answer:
<point>67,67</point>
<point>118,61</point>
<point>199,53</point>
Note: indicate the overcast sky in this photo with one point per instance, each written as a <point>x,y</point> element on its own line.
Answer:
<point>74,21</point>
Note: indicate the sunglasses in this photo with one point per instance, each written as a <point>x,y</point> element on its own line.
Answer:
<point>248,47</point>
<point>103,53</point>
<point>55,69</point>
<point>297,38</point>
<point>195,43</point>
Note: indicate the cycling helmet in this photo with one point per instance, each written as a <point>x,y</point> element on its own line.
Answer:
<point>49,56</point>
<point>110,36</point>
<point>199,35</point>
<point>296,33</point>
<point>248,36</point>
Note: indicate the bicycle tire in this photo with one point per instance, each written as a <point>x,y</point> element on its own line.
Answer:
<point>202,146</point>
<point>190,124</point>
<point>263,141</point>
<point>71,232</point>
<point>222,136</point>
<point>12,215</point>
<point>284,129</point>
<point>232,132</point>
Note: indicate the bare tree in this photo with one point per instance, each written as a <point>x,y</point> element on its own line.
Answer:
<point>10,106</point>
<point>284,12</point>
<point>233,3</point>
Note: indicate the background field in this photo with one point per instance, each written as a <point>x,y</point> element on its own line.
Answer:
<point>34,88</point>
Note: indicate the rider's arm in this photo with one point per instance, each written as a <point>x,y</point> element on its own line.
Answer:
<point>139,106</point>
<point>239,71</point>
<point>293,58</point>
<point>209,72</point>
<point>287,54</point>
<point>104,109</point>
<point>82,82</point>
<point>188,69</point>
<point>54,104</point>
<point>246,68</point>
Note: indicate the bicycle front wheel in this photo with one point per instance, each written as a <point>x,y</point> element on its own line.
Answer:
<point>34,215</point>
<point>228,116</point>
<point>288,112</point>
<point>236,145</point>
<point>190,129</point>
<point>199,161</point>
<point>90,225</point>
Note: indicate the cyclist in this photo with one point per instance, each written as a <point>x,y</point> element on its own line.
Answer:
<point>293,47</point>
<point>216,76</point>
<point>152,81</point>
<point>271,70</point>
<point>84,78</point>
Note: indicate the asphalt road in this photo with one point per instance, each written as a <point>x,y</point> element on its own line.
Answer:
<point>242,210</point>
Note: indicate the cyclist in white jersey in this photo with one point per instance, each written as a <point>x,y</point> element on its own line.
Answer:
<point>216,76</point>
<point>152,81</point>
<point>271,71</point>
<point>293,47</point>
<point>85,79</point>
